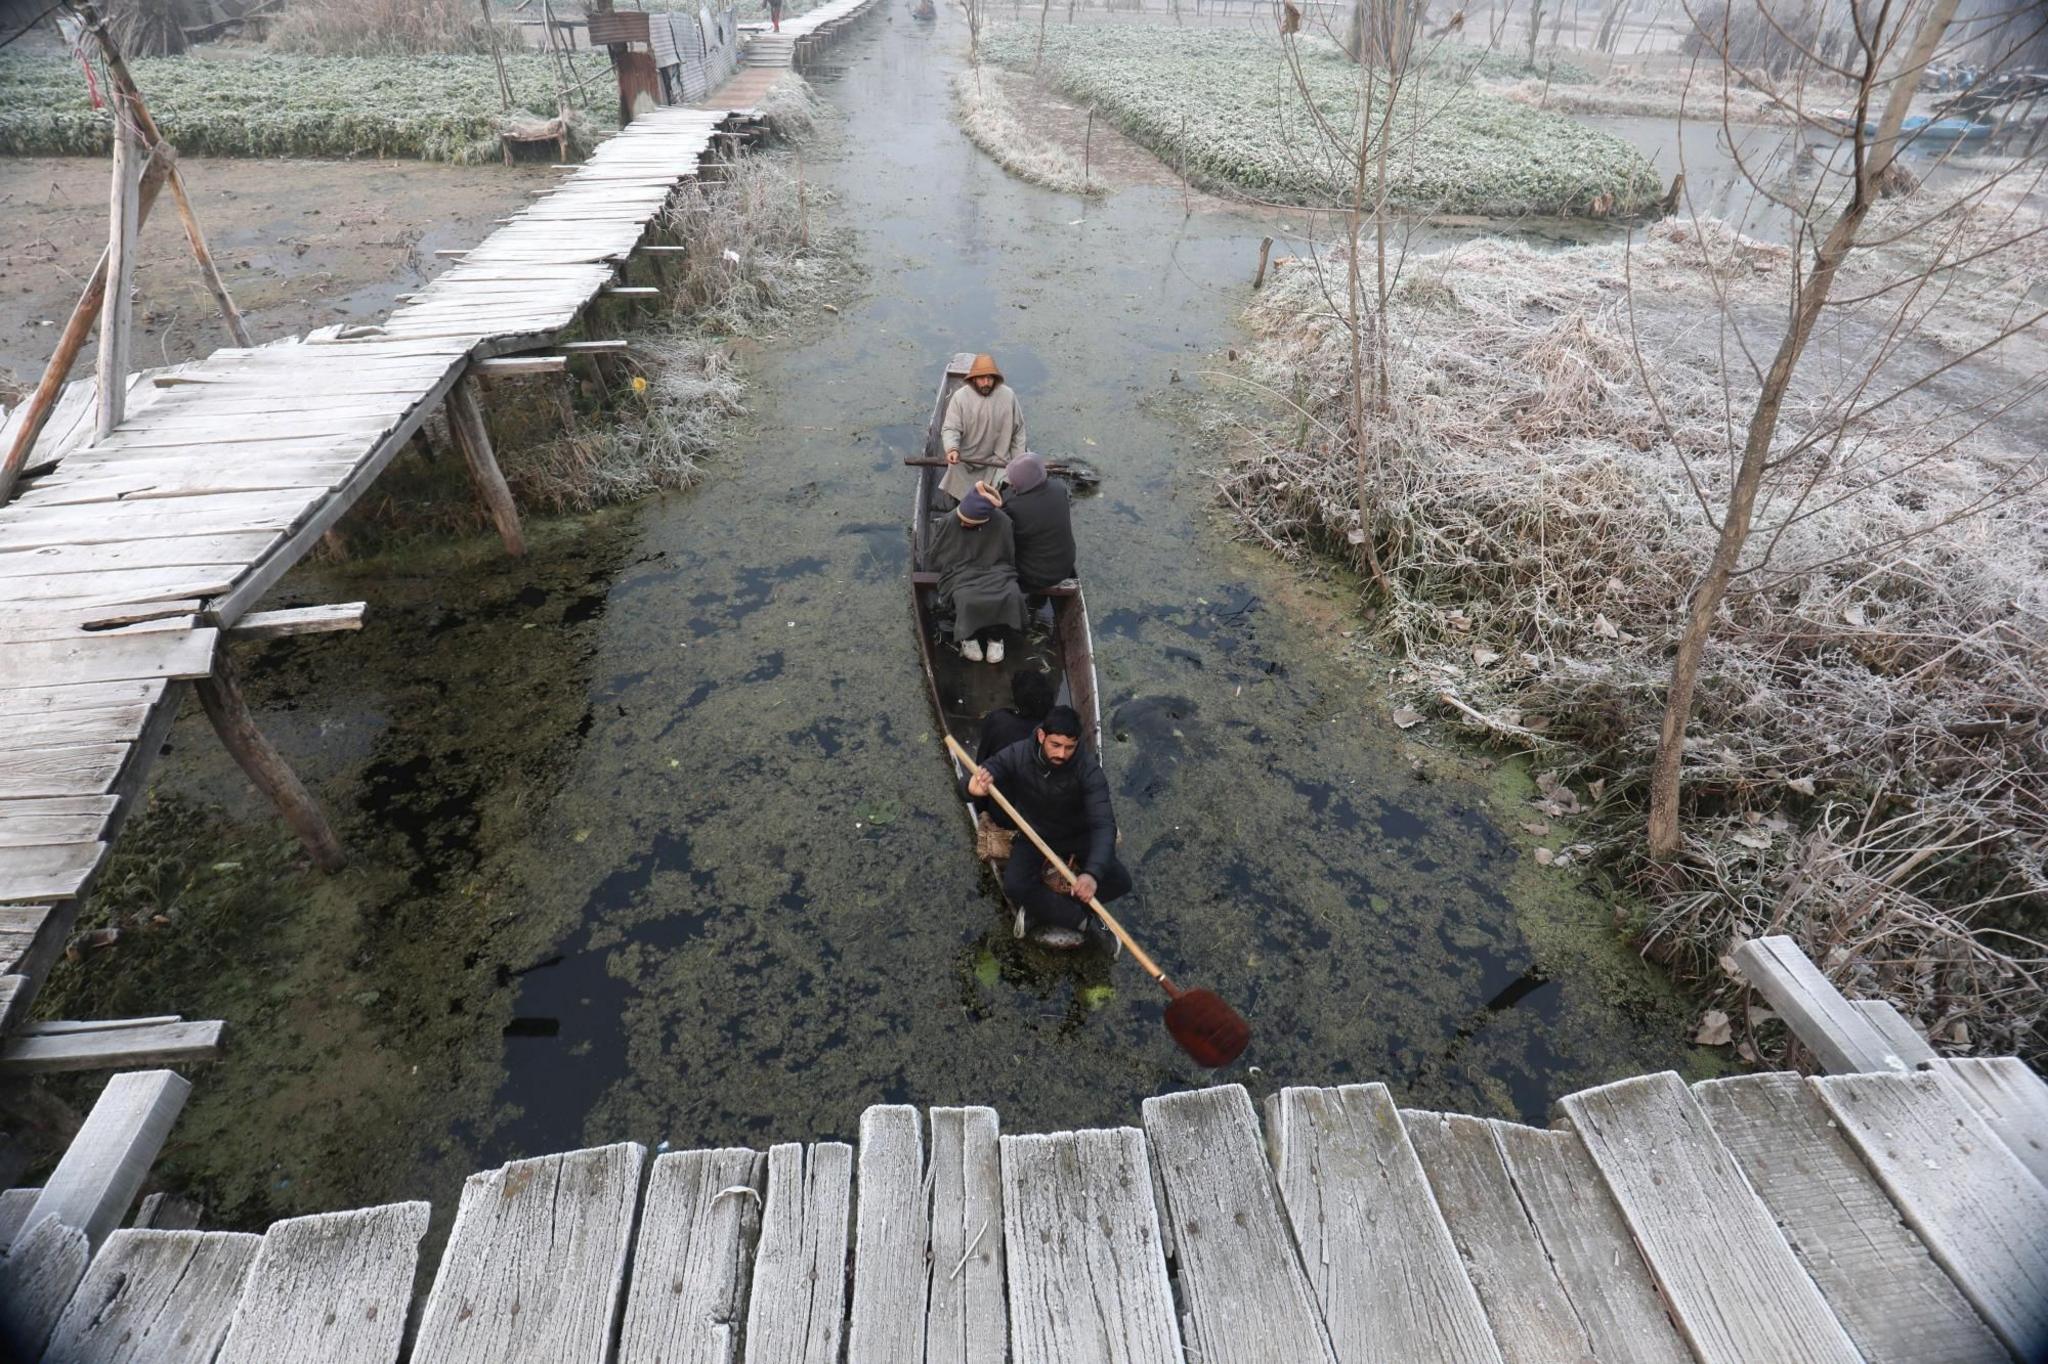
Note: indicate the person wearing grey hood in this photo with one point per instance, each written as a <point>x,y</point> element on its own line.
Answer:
<point>1041,519</point>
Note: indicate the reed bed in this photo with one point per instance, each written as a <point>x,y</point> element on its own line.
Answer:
<point>1866,768</point>
<point>990,120</point>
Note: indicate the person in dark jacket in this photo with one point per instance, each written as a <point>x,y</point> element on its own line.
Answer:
<point>1059,788</point>
<point>1031,696</point>
<point>1042,521</point>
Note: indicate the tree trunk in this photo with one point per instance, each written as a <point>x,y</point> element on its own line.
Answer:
<point>1873,157</point>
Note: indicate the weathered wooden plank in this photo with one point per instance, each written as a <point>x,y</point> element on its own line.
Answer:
<point>1905,1040</point>
<point>1378,1254</point>
<point>1087,1278</point>
<point>123,593</point>
<point>1589,1246</point>
<point>329,1289</point>
<point>535,1262</point>
<point>891,1241</point>
<point>76,770</point>
<point>165,483</point>
<point>1528,1307</point>
<point>177,551</point>
<point>64,1027</point>
<point>13,988</point>
<point>20,927</point>
<point>37,1278</point>
<point>1984,1217</point>
<point>47,700</point>
<point>103,1169</point>
<point>1734,1287</point>
<point>300,620</point>
<point>37,823</point>
<point>2012,1099</point>
<point>87,622</point>
<point>112,658</point>
<point>796,1308</point>
<point>105,1049</point>
<point>1895,1301</point>
<point>1241,1279</point>
<point>694,1258</point>
<point>1842,1040</point>
<point>156,1297</point>
<point>14,1206</point>
<point>49,871</point>
<point>59,729</point>
<point>965,1320</point>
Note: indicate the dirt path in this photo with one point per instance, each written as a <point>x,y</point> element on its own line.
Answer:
<point>300,243</point>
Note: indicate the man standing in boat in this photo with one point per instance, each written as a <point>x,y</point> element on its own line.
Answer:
<point>1058,786</point>
<point>983,427</point>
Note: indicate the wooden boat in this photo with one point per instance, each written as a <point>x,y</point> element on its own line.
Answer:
<point>963,692</point>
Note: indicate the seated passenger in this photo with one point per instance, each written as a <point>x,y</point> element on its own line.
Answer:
<point>1042,519</point>
<point>983,427</point>
<point>974,553</point>
<point>1031,696</point>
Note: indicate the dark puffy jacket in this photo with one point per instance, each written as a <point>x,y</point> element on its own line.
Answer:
<point>1069,805</point>
<point>1044,527</point>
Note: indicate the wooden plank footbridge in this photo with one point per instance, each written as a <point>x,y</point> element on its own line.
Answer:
<point>1891,1212</point>
<point>156,510</point>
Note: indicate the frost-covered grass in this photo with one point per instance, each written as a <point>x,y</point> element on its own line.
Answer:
<point>991,123</point>
<point>1224,105</point>
<point>435,108</point>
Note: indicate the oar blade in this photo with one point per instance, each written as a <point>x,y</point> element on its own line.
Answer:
<point>1206,1028</point>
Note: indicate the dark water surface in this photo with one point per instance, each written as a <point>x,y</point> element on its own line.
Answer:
<point>773,920</point>
<point>677,854</point>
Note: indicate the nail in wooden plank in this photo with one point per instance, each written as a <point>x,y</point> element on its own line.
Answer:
<point>965,1320</point>
<point>535,1263</point>
<point>299,620</point>
<point>694,1258</point>
<point>891,1248</point>
<point>105,1049</point>
<point>1087,1277</point>
<point>1589,1245</point>
<point>796,1308</point>
<point>42,1268</point>
<point>1530,1311</point>
<point>1842,1040</point>
<point>156,1297</point>
<point>1980,1212</point>
<point>329,1289</point>
<point>1377,1251</point>
<point>1240,1277</point>
<point>1896,1302</point>
<point>103,1169</point>
<point>1734,1287</point>
<point>2012,1099</point>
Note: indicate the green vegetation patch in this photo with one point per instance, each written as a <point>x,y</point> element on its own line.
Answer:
<point>434,108</point>
<point>1225,105</point>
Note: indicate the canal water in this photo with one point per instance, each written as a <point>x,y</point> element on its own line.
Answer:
<point>655,841</point>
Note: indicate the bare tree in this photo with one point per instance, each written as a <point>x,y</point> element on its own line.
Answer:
<point>1893,43</point>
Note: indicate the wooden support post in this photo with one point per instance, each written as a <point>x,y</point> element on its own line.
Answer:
<point>466,420</point>
<point>221,695</point>
<point>109,1159</point>
<point>123,223</point>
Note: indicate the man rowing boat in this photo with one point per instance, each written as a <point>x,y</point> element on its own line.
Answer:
<point>1059,787</point>
<point>983,427</point>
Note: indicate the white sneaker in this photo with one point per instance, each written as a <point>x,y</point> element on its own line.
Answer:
<point>970,649</point>
<point>995,651</point>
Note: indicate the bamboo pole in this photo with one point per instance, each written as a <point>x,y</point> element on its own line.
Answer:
<point>111,402</point>
<point>72,339</point>
<point>221,696</point>
<point>124,83</point>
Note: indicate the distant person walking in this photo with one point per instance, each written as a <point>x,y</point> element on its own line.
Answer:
<point>775,14</point>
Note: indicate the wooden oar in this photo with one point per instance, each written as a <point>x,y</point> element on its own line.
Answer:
<point>1082,475</point>
<point>1207,1028</point>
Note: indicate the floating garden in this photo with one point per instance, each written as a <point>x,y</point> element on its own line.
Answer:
<point>1226,107</point>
